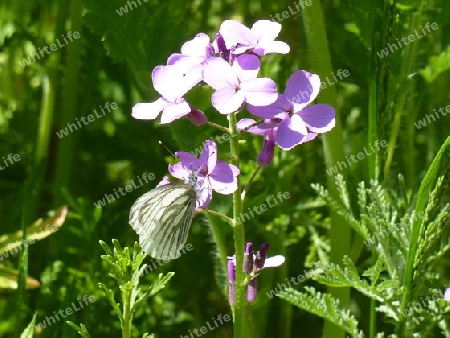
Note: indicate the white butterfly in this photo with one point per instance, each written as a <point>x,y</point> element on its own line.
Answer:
<point>162,218</point>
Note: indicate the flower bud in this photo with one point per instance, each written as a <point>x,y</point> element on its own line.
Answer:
<point>248,258</point>
<point>252,290</point>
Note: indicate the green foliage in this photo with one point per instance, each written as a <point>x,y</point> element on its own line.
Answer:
<point>399,252</point>
<point>126,269</point>
<point>386,222</point>
<point>437,65</point>
<point>322,305</point>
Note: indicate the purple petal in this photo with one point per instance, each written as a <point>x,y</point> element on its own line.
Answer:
<point>245,123</point>
<point>302,88</point>
<point>281,105</point>
<point>208,157</point>
<point>272,47</point>
<point>309,137</point>
<point>179,171</point>
<point>265,157</point>
<point>169,82</point>
<point>319,118</point>
<point>164,181</point>
<point>265,32</point>
<point>197,46</point>
<point>234,32</point>
<point>260,91</point>
<point>149,111</point>
<point>189,160</point>
<point>204,195</point>
<point>246,67</point>
<point>227,100</point>
<point>288,135</point>
<point>219,74</point>
<point>197,117</point>
<point>223,178</point>
<point>221,47</point>
<point>175,111</point>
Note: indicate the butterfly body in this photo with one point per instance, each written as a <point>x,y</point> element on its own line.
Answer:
<point>162,218</point>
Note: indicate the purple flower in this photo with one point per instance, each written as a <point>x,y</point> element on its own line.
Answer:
<point>238,83</point>
<point>212,174</point>
<point>259,39</point>
<point>194,55</point>
<point>296,122</point>
<point>170,82</point>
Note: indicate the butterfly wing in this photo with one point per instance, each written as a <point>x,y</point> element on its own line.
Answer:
<point>162,218</point>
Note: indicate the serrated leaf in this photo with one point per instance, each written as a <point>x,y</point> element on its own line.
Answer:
<point>322,305</point>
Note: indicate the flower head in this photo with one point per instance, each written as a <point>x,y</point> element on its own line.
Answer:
<point>211,173</point>
<point>294,120</point>
<point>238,84</point>
<point>170,82</point>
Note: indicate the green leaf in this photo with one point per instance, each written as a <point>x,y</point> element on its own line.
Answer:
<point>80,329</point>
<point>8,279</point>
<point>322,305</point>
<point>28,332</point>
<point>39,230</point>
<point>436,66</point>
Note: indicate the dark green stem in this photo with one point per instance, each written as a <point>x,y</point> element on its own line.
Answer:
<point>239,239</point>
<point>333,148</point>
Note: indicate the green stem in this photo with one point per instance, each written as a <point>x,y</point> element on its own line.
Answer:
<point>126,322</point>
<point>333,148</point>
<point>66,147</point>
<point>218,214</point>
<point>218,126</point>
<point>239,239</point>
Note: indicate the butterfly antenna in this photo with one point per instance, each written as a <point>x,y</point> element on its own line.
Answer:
<point>160,142</point>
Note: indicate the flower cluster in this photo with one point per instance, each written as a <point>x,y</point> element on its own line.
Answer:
<point>230,65</point>
<point>253,265</point>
